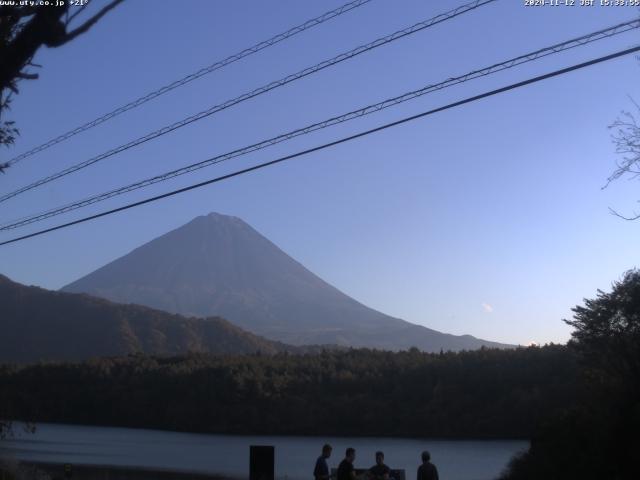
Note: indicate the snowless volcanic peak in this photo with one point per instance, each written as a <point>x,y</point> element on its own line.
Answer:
<point>218,265</point>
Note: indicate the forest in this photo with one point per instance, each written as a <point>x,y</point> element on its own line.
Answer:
<point>478,394</point>
<point>579,404</point>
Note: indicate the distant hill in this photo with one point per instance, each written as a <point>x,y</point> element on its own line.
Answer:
<point>219,265</point>
<point>38,324</point>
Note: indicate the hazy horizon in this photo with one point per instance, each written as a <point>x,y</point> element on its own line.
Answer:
<point>488,219</point>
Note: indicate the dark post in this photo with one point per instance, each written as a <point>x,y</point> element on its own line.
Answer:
<point>68,471</point>
<point>261,462</point>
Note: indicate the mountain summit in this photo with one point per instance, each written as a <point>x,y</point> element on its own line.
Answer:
<point>218,265</point>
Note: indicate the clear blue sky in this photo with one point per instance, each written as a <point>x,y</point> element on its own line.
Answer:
<point>488,219</point>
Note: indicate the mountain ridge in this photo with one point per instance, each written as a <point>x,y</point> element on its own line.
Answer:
<point>44,325</point>
<point>220,265</point>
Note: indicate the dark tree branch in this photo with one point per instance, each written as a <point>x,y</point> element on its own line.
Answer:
<point>78,11</point>
<point>626,139</point>
<point>44,26</point>
<point>28,76</point>
<point>19,12</point>
<point>89,23</point>
<point>635,216</point>
<point>24,30</point>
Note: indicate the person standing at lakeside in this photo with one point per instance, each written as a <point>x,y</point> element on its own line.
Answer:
<point>379,471</point>
<point>427,471</point>
<point>321,470</point>
<point>346,470</point>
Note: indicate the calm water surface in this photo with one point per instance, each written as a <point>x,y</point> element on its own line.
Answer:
<point>229,454</point>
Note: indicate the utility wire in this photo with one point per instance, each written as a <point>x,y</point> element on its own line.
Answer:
<point>193,76</point>
<point>513,86</point>
<point>529,57</point>
<point>259,91</point>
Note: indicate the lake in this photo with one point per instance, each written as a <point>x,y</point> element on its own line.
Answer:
<point>229,454</point>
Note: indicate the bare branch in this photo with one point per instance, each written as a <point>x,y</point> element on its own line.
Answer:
<point>88,24</point>
<point>635,217</point>
<point>627,143</point>
<point>23,31</point>
<point>28,76</point>
<point>79,11</point>
<point>20,12</point>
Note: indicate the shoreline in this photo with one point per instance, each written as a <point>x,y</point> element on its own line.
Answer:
<point>320,436</point>
<point>120,472</point>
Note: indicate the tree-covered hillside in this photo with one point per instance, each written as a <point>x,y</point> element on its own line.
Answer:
<point>38,324</point>
<point>484,393</point>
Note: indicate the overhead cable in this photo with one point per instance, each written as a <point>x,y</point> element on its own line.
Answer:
<point>254,93</point>
<point>330,144</point>
<point>347,7</point>
<point>519,60</point>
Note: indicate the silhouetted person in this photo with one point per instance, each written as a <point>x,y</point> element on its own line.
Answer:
<point>345,469</point>
<point>321,470</point>
<point>427,471</point>
<point>379,471</point>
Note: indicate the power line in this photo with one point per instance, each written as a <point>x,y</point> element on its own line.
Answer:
<point>334,143</point>
<point>259,91</point>
<point>529,57</point>
<point>347,7</point>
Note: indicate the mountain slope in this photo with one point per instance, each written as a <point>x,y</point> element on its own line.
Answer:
<point>219,265</point>
<point>38,324</point>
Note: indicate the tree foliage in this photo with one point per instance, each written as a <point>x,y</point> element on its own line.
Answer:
<point>607,332</point>
<point>484,394</point>
<point>598,436</point>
